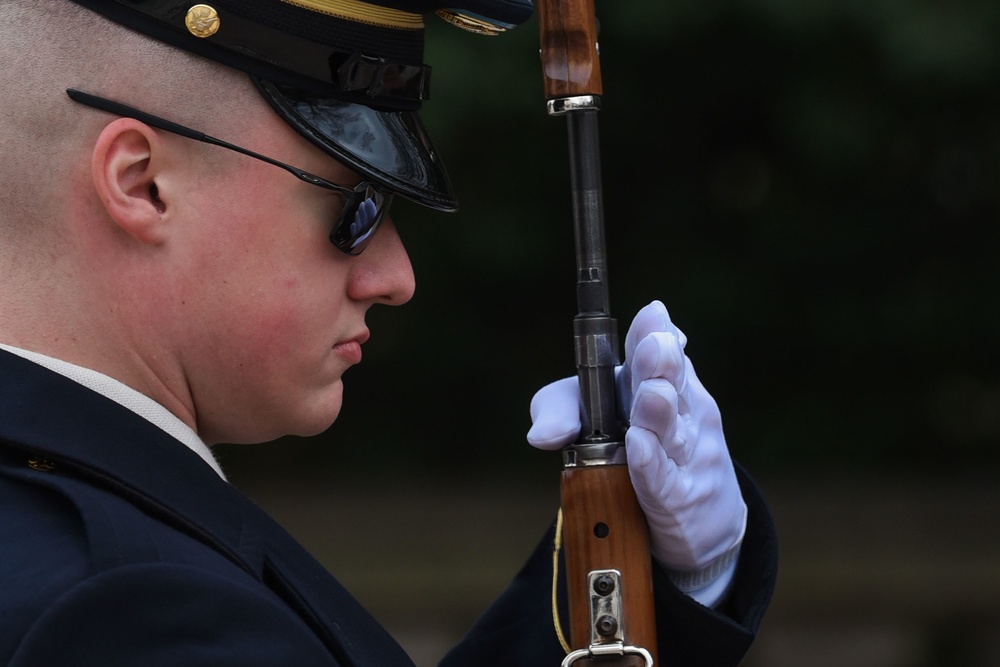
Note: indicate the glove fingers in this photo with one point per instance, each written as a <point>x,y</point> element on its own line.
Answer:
<point>660,355</point>
<point>652,317</point>
<point>653,474</point>
<point>696,402</point>
<point>555,415</point>
<point>655,409</point>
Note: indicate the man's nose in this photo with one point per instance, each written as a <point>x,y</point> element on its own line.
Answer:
<point>383,273</point>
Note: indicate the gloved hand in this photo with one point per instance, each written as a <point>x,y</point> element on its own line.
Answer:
<point>676,451</point>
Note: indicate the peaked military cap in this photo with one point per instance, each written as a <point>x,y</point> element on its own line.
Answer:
<point>347,74</point>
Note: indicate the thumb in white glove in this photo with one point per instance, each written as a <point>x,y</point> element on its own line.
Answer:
<point>676,451</point>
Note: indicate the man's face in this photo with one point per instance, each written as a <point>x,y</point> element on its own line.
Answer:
<point>274,313</point>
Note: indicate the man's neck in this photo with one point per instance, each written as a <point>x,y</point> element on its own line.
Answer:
<point>125,396</point>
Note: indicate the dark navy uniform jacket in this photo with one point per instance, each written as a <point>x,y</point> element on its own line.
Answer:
<point>120,546</point>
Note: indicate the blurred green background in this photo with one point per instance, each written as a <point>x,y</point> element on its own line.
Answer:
<point>811,188</point>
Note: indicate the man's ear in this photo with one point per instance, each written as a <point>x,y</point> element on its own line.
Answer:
<point>126,165</point>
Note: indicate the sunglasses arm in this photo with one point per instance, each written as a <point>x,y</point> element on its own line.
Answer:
<point>126,111</point>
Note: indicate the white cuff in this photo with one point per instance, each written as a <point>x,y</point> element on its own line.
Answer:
<point>687,582</point>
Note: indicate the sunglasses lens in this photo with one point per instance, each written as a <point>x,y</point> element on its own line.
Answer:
<point>360,219</point>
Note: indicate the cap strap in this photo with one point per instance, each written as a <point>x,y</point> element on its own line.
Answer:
<point>375,77</point>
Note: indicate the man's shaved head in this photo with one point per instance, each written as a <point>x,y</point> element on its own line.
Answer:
<point>47,46</point>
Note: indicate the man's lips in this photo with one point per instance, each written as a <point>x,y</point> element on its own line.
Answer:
<point>350,350</point>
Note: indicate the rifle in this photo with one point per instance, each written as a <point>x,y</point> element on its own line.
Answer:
<point>604,533</point>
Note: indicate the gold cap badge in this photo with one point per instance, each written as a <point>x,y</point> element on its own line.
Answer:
<point>471,23</point>
<point>202,21</point>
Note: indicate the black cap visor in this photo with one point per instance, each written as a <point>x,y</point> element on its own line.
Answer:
<point>391,148</point>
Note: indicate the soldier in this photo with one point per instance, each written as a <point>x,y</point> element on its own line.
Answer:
<point>164,290</point>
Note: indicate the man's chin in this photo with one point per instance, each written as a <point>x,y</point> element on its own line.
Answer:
<point>305,419</point>
<point>322,414</point>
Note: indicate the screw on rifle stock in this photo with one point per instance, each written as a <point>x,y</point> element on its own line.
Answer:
<point>606,626</point>
<point>604,585</point>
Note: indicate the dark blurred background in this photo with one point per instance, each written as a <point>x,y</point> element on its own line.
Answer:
<point>811,188</point>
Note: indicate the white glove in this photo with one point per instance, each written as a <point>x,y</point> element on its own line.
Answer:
<point>676,451</point>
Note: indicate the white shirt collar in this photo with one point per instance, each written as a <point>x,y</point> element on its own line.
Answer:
<point>127,397</point>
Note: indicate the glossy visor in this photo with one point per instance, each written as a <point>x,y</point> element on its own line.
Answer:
<point>391,148</point>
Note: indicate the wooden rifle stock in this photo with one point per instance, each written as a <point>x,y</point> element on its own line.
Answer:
<point>605,535</point>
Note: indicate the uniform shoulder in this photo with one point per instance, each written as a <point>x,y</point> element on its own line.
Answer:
<point>61,531</point>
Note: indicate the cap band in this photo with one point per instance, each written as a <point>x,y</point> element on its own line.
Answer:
<point>355,10</point>
<point>240,40</point>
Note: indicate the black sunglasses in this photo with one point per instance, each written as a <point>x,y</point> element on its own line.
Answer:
<point>365,204</point>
